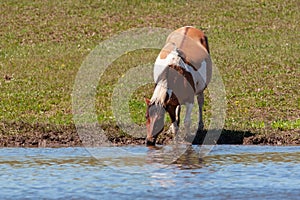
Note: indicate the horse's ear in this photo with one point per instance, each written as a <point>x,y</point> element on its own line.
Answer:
<point>147,101</point>
<point>204,42</point>
<point>207,46</point>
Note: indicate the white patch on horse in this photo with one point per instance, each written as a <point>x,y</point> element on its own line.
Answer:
<point>174,128</point>
<point>202,71</point>
<point>160,93</point>
<point>177,113</point>
<point>199,77</point>
<point>169,92</point>
<point>185,66</point>
<point>161,64</point>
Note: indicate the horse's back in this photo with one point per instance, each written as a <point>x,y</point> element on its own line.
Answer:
<point>192,43</point>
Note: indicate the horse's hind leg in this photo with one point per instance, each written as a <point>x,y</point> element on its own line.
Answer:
<point>200,99</point>
<point>188,118</point>
<point>200,135</point>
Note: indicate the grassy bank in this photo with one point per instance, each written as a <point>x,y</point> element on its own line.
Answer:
<point>254,44</point>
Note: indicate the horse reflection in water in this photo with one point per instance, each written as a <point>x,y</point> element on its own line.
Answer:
<point>182,70</point>
<point>181,156</point>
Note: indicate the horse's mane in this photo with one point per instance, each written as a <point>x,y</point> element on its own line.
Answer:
<point>160,93</point>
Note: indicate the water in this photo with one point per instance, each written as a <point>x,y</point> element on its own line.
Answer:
<point>227,172</point>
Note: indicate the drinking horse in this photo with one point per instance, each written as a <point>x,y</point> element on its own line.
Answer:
<point>182,70</point>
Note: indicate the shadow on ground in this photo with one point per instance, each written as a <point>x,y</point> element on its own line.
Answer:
<point>211,137</point>
<point>226,137</point>
<point>235,137</point>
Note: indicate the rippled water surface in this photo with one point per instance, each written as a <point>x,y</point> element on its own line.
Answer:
<point>137,172</point>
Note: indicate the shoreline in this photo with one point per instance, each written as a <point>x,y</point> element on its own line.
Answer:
<point>21,134</point>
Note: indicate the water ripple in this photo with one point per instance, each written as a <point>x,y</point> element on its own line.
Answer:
<point>228,172</point>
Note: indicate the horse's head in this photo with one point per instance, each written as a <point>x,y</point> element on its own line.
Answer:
<point>155,115</point>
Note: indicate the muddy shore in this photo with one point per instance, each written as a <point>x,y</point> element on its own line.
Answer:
<point>20,134</point>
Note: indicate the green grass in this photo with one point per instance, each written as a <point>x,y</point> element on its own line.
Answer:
<point>255,45</point>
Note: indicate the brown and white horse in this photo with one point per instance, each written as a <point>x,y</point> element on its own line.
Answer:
<point>182,70</point>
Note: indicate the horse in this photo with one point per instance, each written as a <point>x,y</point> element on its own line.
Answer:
<point>182,70</point>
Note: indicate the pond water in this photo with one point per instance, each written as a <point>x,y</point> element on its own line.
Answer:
<point>137,172</point>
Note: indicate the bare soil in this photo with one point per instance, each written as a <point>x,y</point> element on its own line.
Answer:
<point>46,135</point>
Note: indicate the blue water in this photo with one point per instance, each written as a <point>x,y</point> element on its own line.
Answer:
<point>137,172</point>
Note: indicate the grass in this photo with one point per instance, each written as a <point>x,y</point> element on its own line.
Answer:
<point>255,45</point>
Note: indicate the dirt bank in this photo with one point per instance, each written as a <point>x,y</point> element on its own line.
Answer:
<point>20,134</point>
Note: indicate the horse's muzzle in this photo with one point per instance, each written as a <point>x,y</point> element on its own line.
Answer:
<point>150,142</point>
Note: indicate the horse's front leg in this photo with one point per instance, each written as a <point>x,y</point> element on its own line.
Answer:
<point>200,99</point>
<point>174,113</point>
<point>188,118</point>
